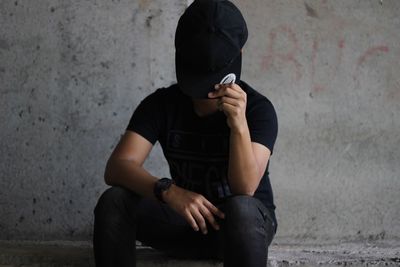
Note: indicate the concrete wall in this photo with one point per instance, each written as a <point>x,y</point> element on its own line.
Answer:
<point>72,72</point>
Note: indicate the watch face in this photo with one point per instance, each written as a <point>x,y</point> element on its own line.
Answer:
<point>167,182</point>
<point>164,183</point>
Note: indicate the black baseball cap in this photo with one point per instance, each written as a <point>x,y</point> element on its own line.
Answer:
<point>208,40</point>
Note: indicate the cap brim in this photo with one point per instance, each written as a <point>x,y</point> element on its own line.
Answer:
<point>198,85</point>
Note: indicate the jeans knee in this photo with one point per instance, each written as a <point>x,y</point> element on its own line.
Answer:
<point>113,199</point>
<point>243,210</point>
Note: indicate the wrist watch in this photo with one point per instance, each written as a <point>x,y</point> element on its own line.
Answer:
<point>160,186</point>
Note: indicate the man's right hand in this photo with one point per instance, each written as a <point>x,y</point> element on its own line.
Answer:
<point>194,207</point>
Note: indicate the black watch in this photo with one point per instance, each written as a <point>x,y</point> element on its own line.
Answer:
<point>160,186</point>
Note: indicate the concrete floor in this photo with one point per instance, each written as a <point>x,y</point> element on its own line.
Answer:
<point>77,254</point>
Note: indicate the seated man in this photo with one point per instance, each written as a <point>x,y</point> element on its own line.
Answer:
<point>217,134</point>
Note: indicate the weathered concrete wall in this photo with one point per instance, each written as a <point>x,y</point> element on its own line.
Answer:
<point>72,72</point>
<point>332,69</point>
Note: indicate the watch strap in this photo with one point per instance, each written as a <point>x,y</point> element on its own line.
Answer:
<point>160,186</point>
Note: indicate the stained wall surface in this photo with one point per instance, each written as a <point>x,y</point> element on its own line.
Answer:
<point>72,72</point>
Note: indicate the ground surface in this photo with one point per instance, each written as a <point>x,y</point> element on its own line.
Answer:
<point>77,254</point>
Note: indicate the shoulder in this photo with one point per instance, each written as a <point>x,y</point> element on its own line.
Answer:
<point>255,100</point>
<point>261,117</point>
<point>171,91</point>
<point>162,94</point>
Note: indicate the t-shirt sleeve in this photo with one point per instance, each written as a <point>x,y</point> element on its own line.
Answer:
<point>263,123</point>
<point>146,119</point>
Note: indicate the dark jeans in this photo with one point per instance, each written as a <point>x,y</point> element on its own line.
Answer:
<point>122,216</point>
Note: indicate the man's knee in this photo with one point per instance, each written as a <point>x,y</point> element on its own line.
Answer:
<point>246,221</point>
<point>244,211</point>
<point>114,199</point>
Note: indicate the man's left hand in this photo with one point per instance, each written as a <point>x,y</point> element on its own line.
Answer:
<point>232,100</point>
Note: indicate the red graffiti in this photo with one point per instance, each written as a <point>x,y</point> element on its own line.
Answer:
<point>317,87</point>
<point>341,47</point>
<point>278,55</point>
<point>371,51</point>
<point>341,43</point>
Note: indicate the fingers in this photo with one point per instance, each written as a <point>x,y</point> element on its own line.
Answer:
<point>191,220</point>
<point>199,220</point>
<point>230,109</point>
<point>208,215</point>
<point>227,91</point>
<point>197,215</point>
<point>198,211</point>
<point>238,89</point>
<point>214,209</point>
<point>206,211</point>
<point>232,86</point>
<point>229,100</point>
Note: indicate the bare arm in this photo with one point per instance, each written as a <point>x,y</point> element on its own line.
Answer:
<point>247,162</point>
<point>124,167</point>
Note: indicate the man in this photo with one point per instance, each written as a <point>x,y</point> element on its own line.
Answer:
<point>217,134</point>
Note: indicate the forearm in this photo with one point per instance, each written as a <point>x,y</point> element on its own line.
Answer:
<point>243,172</point>
<point>130,175</point>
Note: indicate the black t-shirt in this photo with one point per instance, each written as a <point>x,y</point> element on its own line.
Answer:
<point>197,147</point>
